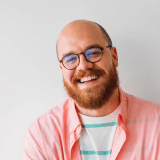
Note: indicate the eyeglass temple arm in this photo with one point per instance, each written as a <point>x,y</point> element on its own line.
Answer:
<point>107,46</point>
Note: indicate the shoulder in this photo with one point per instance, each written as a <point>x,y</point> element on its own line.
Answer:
<point>139,101</point>
<point>139,105</point>
<point>52,116</point>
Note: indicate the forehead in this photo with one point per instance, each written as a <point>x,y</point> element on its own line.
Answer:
<point>77,37</point>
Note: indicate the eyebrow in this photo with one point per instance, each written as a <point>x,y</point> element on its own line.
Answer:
<point>88,47</point>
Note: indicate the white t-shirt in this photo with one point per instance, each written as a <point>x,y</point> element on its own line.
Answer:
<point>97,136</point>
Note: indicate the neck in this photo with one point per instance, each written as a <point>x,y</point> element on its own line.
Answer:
<point>106,109</point>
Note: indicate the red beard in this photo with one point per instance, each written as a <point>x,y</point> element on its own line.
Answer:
<point>94,97</point>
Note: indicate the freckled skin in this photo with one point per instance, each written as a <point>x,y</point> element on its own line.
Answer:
<point>75,37</point>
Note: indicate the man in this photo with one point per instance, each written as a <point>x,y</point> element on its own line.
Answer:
<point>99,120</point>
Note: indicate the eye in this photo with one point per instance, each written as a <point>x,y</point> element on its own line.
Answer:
<point>93,52</point>
<point>96,53</point>
<point>70,59</point>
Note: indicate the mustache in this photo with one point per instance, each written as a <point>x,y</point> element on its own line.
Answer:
<point>87,72</point>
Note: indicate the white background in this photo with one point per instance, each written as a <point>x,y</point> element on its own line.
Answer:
<point>30,77</point>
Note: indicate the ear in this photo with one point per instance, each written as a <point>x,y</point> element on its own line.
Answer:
<point>114,56</point>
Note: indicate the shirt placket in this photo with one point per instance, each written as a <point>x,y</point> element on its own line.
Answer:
<point>74,144</point>
<point>119,140</point>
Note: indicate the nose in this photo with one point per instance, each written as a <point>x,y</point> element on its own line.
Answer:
<point>84,64</point>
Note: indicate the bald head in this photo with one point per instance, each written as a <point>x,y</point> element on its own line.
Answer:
<point>81,27</point>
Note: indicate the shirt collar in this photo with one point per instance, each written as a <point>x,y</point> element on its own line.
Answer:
<point>73,116</point>
<point>123,105</point>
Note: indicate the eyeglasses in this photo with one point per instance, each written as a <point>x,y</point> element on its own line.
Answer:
<point>71,61</point>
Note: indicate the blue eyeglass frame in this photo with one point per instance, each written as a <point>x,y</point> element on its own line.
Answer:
<point>61,61</point>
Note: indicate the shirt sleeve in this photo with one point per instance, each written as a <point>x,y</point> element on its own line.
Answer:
<point>33,148</point>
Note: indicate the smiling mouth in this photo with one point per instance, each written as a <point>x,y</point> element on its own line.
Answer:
<point>88,79</point>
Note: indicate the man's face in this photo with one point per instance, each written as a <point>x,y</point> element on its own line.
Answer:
<point>91,94</point>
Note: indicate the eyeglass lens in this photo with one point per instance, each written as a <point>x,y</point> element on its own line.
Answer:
<point>92,55</point>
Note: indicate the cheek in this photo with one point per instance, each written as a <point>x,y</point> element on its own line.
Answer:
<point>107,64</point>
<point>103,65</point>
<point>67,74</point>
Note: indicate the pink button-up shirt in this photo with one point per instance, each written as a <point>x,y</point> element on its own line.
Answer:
<point>55,135</point>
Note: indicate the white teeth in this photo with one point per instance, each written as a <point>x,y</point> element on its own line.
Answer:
<point>88,78</point>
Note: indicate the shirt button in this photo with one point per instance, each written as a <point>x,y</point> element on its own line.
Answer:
<point>78,127</point>
<point>71,141</point>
